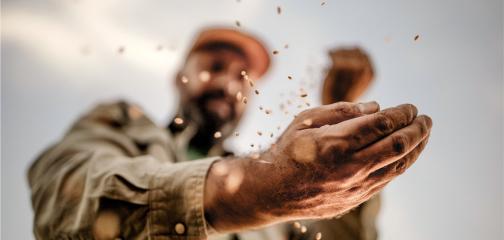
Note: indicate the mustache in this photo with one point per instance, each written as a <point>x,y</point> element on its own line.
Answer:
<point>209,114</point>
<point>215,94</point>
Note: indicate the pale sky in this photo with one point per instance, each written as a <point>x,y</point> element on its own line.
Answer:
<point>59,57</point>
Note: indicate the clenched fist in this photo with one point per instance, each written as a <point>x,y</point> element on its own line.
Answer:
<point>328,161</point>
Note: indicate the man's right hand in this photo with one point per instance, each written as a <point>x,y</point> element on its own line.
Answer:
<point>329,160</point>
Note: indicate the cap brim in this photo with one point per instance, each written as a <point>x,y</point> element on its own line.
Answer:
<point>254,50</point>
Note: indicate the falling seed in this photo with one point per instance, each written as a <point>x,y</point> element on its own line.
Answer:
<point>275,52</point>
<point>237,134</point>
<point>251,145</point>
<point>271,135</point>
<point>289,77</point>
<point>264,161</point>
<point>318,236</point>
<point>184,79</point>
<point>256,92</point>
<point>278,128</point>
<point>307,104</point>
<point>178,121</point>
<point>297,225</point>
<point>243,73</point>
<point>286,46</point>
<point>303,95</point>
<point>303,229</point>
<point>238,24</point>
<point>204,76</point>
<point>85,50</point>
<point>259,133</point>
<point>417,37</point>
<point>322,3</point>
<point>267,111</point>
<point>217,134</point>
<point>251,83</point>
<point>239,96</point>
<point>279,10</point>
<point>308,122</point>
<point>260,108</point>
<point>121,50</point>
<point>245,100</point>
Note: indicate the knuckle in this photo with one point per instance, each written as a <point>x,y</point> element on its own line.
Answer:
<point>383,123</point>
<point>341,146</point>
<point>410,110</point>
<point>347,108</point>
<point>400,143</point>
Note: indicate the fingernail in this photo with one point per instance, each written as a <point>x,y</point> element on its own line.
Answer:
<point>367,106</point>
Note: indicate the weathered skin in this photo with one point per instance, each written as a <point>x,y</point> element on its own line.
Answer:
<point>347,155</point>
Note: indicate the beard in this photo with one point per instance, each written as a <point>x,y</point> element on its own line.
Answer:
<point>216,108</point>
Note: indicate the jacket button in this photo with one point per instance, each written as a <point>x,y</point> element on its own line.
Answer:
<point>179,228</point>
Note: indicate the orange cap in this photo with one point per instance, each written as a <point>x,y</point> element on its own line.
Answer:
<point>254,50</point>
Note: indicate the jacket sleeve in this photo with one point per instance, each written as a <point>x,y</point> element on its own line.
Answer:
<point>113,175</point>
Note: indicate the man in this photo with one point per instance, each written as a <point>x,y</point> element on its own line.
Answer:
<point>115,174</point>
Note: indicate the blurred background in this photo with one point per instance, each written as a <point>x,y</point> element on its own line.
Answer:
<point>60,57</point>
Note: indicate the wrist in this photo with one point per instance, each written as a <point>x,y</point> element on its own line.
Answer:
<point>229,201</point>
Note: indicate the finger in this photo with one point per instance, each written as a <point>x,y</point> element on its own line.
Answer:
<point>362,131</point>
<point>391,171</point>
<point>334,113</point>
<point>395,146</point>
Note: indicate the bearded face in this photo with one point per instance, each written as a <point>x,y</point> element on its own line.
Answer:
<point>209,82</point>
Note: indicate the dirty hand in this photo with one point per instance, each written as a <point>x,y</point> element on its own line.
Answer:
<point>328,161</point>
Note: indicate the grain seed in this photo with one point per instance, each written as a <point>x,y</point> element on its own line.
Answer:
<point>178,121</point>
<point>121,50</point>
<point>297,225</point>
<point>308,122</point>
<point>204,76</point>
<point>239,96</point>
